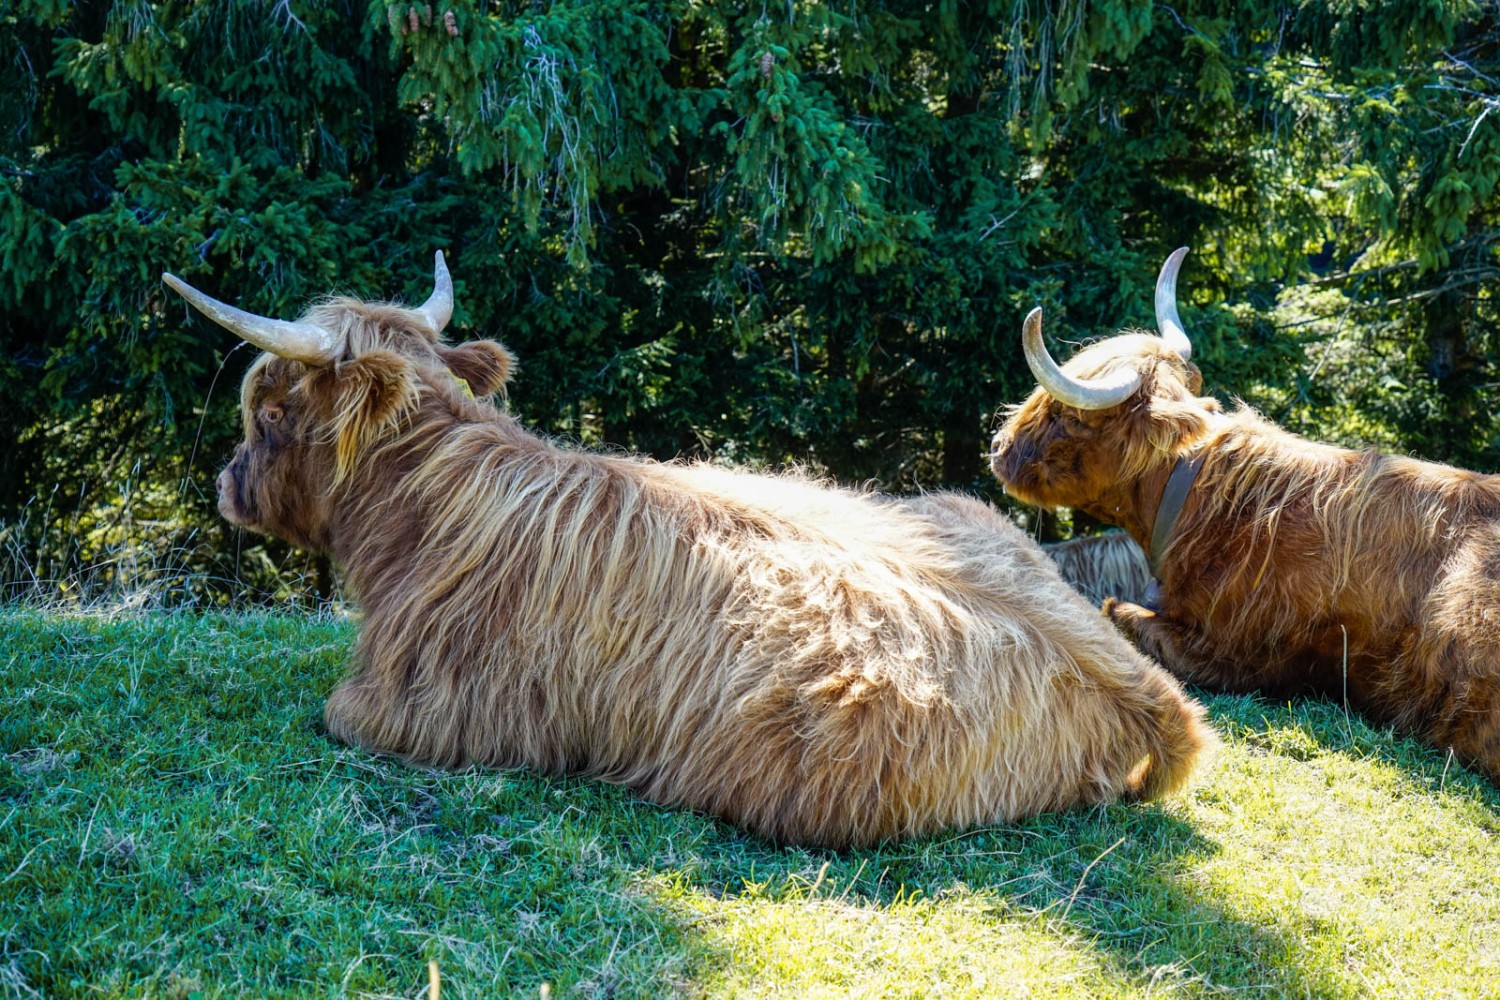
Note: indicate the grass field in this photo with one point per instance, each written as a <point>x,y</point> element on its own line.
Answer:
<point>174,823</point>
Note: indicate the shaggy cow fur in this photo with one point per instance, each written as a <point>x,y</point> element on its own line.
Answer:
<point>1294,566</point>
<point>817,665</point>
<point>1103,566</point>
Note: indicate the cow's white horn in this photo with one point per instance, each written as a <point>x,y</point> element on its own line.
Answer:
<point>438,309</point>
<point>1091,394</point>
<point>305,342</point>
<point>1168,323</point>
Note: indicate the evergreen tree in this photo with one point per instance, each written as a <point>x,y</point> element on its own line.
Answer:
<point>798,233</point>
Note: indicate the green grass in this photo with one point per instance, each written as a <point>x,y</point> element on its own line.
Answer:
<point>174,823</point>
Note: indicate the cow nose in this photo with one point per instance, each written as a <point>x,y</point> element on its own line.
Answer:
<point>997,454</point>
<point>228,496</point>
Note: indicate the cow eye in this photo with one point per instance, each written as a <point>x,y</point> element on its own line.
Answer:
<point>270,414</point>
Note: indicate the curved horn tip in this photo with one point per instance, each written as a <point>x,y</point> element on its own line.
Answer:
<point>438,309</point>
<point>1031,338</point>
<point>1085,394</point>
<point>442,281</point>
<point>305,342</point>
<point>1166,278</point>
<point>1168,322</point>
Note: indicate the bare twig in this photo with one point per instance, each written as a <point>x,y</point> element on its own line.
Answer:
<point>1082,878</point>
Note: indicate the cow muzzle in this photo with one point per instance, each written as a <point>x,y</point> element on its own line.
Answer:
<point>230,505</point>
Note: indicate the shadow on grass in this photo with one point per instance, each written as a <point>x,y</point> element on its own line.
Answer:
<point>1130,884</point>
<point>1114,886</point>
<point>1110,884</point>
<point>173,821</point>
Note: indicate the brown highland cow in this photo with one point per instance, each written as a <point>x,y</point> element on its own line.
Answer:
<point>817,665</point>
<point>1284,565</point>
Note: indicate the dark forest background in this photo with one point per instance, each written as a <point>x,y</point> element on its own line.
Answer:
<point>759,233</point>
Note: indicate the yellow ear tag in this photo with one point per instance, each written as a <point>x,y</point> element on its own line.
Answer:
<point>463,384</point>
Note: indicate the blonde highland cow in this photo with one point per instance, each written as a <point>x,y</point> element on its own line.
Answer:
<point>1104,566</point>
<point>816,665</point>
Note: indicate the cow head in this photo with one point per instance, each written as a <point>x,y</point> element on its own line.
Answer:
<point>1118,409</point>
<point>331,389</point>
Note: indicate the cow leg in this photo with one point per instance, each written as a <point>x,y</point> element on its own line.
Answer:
<point>1475,736</point>
<point>1176,646</point>
<point>1453,703</point>
<point>1447,686</point>
<point>357,713</point>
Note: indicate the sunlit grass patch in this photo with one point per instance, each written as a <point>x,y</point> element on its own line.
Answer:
<point>838,944</point>
<point>173,821</point>
<point>1375,858</point>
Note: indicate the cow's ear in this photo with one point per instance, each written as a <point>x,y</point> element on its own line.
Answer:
<point>368,396</point>
<point>484,364</point>
<point>1176,422</point>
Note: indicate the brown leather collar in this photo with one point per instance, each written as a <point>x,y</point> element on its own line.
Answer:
<point>1173,495</point>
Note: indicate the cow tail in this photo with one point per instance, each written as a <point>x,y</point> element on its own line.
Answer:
<point>1176,737</point>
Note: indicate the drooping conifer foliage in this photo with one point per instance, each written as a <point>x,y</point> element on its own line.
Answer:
<point>800,232</point>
